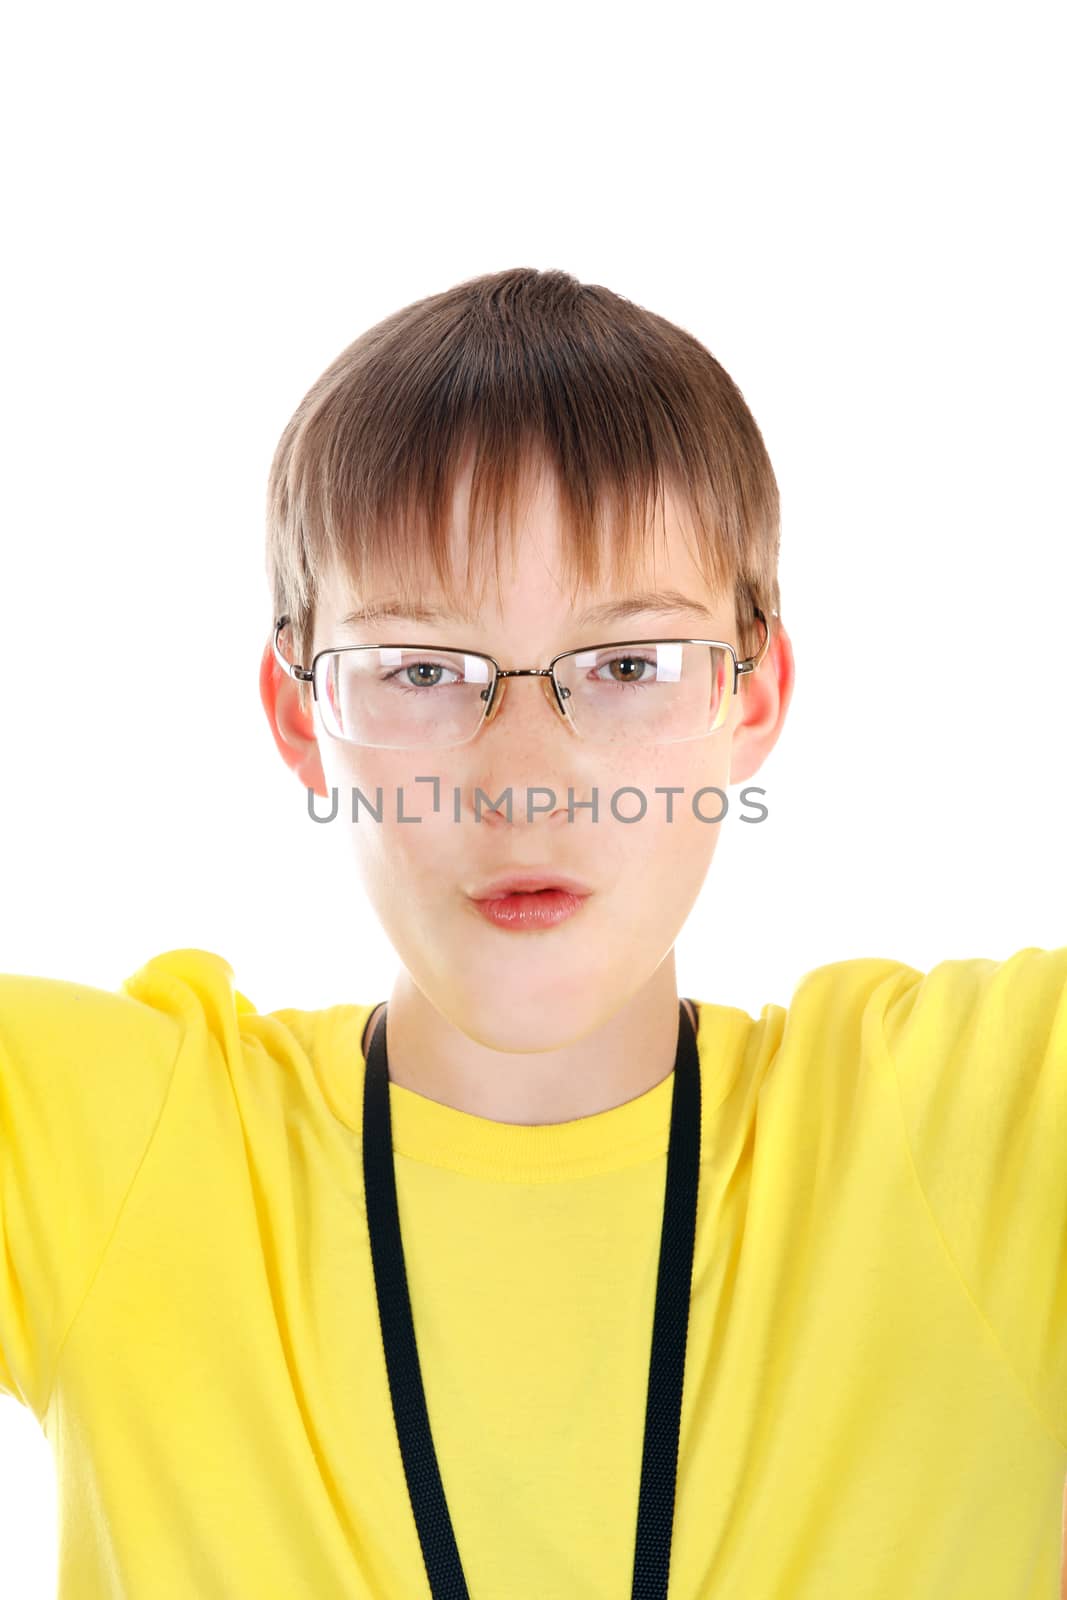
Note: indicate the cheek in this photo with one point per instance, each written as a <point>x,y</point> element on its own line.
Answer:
<point>688,769</point>
<point>413,836</point>
<point>390,780</point>
<point>679,832</point>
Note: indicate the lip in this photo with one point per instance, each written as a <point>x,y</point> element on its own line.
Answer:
<point>526,882</point>
<point>522,911</point>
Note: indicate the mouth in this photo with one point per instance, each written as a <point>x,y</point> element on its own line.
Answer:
<point>529,900</point>
<point>529,883</point>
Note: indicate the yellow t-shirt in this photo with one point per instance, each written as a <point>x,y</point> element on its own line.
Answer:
<point>875,1396</point>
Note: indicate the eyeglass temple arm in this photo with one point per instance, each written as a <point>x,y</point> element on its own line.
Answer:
<point>290,667</point>
<point>753,662</point>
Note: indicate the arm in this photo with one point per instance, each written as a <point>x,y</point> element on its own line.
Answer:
<point>979,1049</point>
<point>84,1075</point>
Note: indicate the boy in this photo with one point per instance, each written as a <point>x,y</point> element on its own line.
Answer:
<point>538,1281</point>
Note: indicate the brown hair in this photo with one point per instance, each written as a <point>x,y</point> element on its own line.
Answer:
<point>509,370</point>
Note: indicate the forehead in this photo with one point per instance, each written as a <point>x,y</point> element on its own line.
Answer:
<point>527,572</point>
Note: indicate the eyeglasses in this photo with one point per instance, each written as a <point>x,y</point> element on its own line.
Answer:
<point>400,697</point>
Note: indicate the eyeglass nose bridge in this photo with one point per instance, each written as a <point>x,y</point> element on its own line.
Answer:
<point>555,692</point>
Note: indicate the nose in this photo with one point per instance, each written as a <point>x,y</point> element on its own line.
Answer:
<point>525,672</point>
<point>528,766</point>
<point>547,685</point>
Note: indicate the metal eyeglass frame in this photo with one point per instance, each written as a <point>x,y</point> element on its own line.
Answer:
<point>493,701</point>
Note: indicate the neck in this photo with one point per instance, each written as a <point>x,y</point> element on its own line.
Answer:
<point>621,1059</point>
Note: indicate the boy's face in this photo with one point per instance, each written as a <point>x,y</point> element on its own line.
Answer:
<point>522,990</point>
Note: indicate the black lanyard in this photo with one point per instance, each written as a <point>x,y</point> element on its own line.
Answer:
<point>663,1407</point>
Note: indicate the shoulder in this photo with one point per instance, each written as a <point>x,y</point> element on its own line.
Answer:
<point>186,984</point>
<point>970,1000</point>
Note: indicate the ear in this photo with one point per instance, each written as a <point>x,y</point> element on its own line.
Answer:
<point>293,727</point>
<point>763,697</point>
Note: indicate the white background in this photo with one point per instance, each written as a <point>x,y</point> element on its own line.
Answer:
<point>859,211</point>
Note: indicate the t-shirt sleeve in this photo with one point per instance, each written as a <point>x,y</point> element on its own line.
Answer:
<point>84,1074</point>
<point>979,1048</point>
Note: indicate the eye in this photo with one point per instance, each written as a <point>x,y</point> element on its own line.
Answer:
<point>627,667</point>
<point>421,675</point>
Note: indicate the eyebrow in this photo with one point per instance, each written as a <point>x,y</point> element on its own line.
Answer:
<point>664,601</point>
